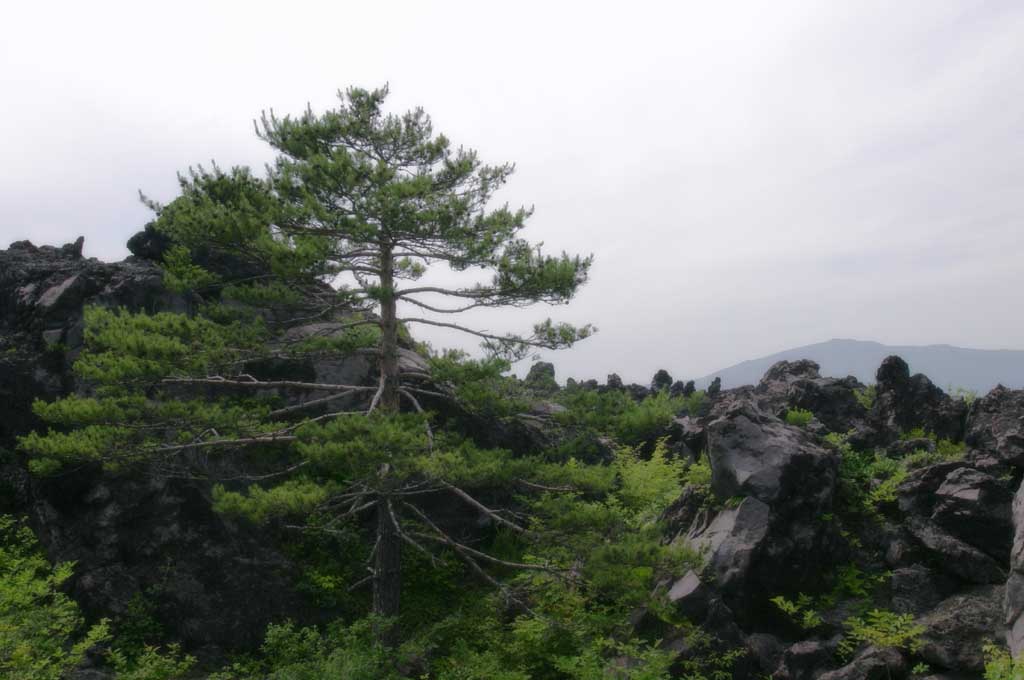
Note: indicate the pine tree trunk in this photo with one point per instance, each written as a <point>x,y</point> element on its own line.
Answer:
<point>387,572</point>
<point>387,581</point>
<point>389,375</point>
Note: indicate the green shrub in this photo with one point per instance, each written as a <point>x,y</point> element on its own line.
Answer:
<point>801,612</point>
<point>881,628</point>
<point>798,417</point>
<point>42,633</point>
<point>999,665</point>
<point>866,396</point>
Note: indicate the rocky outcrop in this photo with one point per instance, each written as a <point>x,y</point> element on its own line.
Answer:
<point>798,385</point>
<point>43,291</point>
<point>904,403</point>
<point>962,516</point>
<point>995,430</point>
<point>958,627</point>
<point>1014,600</point>
<point>949,537</point>
<point>873,663</point>
<point>153,535</point>
<point>775,484</point>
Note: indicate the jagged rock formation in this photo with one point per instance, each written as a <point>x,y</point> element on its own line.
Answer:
<point>950,544</point>
<point>948,540</point>
<point>128,534</point>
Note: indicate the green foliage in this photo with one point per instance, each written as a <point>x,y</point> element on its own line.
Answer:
<point>881,628</point>
<point>867,480</point>
<point>295,497</point>
<point>351,652</point>
<point>945,450</point>
<point>913,433</point>
<point>482,386</point>
<point>798,417</point>
<point>648,419</point>
<point>181,275</point>
<point>42,634</point>
<point>138,627</point>
<point>968,396</point>
<point>999,665</point>
<point>615,413</point>
<point>152,664</point>
<point>866,396</point>
<point>801,611</point>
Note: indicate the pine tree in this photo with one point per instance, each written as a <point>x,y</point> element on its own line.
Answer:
<point>316,260</point>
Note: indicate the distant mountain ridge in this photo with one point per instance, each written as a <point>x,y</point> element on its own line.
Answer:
<point>947,366</point>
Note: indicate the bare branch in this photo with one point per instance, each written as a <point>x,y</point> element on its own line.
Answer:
<point>264,384</point>
<point>311,403</point>
<point>483,508</point>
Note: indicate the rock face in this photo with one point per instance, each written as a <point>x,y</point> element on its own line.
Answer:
<point>775,483</point>
<point>798,385</point>
<point>996,426</point>
<point>953,535</point>
<point>906,402</point>
<point>961,516</point>
<point>1014,604</point>
<point>42,293</point>
<point>123,532</point>
<point>958,628</point>
<point>767,526</point>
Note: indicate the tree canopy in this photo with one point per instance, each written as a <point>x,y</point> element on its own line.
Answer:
<point>314,262</point>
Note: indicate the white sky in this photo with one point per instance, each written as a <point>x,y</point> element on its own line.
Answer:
<point>750,176</point>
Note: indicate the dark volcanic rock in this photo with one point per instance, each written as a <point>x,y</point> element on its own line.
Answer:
<point>159,537</point>
<point>776,484</point>
<point>958,628</point>
<point>43,291</point>
<point>806,660</point>
<point>904,402</point>
<point>127,534</point>
<point>873,663</point>
<point>797,384</point>
<point>755,454</point>
<point>1014,600</point>
<point>996,426</point>
<point>969,505</point>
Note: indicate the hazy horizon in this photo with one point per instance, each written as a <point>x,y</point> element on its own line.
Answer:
<point>750,178</point>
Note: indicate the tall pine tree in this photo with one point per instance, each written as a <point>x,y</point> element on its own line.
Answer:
<point>321,258</point>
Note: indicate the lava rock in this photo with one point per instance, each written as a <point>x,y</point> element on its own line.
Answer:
<point>958,628</point>
<point>996,426</point>
<point>873,663</point>
<point>904,402</point>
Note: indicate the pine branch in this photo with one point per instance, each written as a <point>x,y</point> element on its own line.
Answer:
<point>484,509</point>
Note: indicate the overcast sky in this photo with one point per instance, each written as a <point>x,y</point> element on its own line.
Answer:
<point>749,176</point>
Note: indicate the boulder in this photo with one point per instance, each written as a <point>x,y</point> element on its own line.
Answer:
<point>775,484</point>
<point>969,505</point>
<point>767,650</point>
<point>872,663</point>
<point>1013,605</point>
<point>958,627</point>
<point>806,660</point>
<point>798,385</point>
<point>916,589</point>
<point>755,454</point>
<point>731,542</point>
<point>904,403</point>
<point>689,596</point>
<point>996,426</point>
